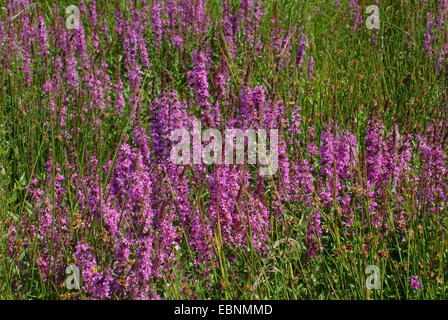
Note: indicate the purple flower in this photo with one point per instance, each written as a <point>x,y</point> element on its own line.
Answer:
<point>310,67</point>
<point>157,22</point>
<point>300,55</point>
<point>415,283</point>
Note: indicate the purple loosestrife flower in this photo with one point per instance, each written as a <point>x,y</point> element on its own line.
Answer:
<point>172,9</point>
<point>92,13</point>
<point>376,167</point>
<point>300,55</point>
<point>356,13</point>
<point>157,22</point>
<point>87,265</point>
<point>105,82</point>
<point>296,122</point>
<point>235,210</point>
<point>93,22</point>
<point>43,37</point>
<point>221,82</point>
<point>83,7</point>
<point>133,42</point>
<point>178,41</point>
<point>119,103</point>
<point>27,67</point>
<point>433,180</point>
<point>134,224</point>
<point>329,164</point>
<point>119,21</point>
<point>442,6</point>
<point>141,17</point>
<point>388,156</point>
<point>96,103</point>
<point>415,282</point>
<point>275,36</point>
<point>271,115</point>
<point>54,86</point>
<point>200,19</point>
<point>338,162</point>
<point>71,74</point>
<point>310,67</point>
<point>428,35</point>
<point>198,79</point>
<point>302,182</point>
<point>375,146</point>
<point>441,59</point>
<point>251,12</point>
<point>314,233</point>
<point>301,172</point>
<point>252,105</point>
<point>337,5</point>
<point>228,28</point>
<point>283,44</point>
<point>81,47</point>
<point>167,113</point>
<point>398,156</point>
<point>185,14</point>
<point>46,229</point>
<point>2,33</point>
<point>312,148</point>
<point>95,283</point>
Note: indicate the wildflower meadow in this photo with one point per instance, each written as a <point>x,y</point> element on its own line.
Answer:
<point>223,149</point>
